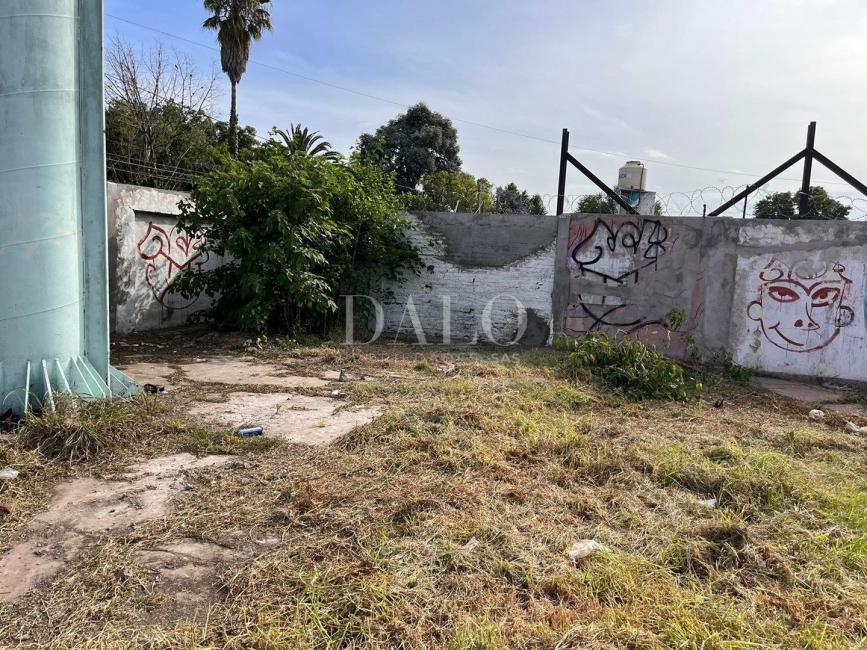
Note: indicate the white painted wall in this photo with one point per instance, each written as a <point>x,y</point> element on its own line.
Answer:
<point>470,292</point>
<point>802,313</point>
<point>148,254</point>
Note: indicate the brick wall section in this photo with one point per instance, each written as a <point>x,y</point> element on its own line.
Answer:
<point>482,264</point>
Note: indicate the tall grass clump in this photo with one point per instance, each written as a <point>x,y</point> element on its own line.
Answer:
<point>627,365</point>
<point>78,430</point>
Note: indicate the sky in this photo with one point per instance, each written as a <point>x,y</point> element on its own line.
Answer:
<point>728,87</point>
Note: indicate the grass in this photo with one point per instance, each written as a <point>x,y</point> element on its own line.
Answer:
<point>509,452</point>
<point>81,430</point>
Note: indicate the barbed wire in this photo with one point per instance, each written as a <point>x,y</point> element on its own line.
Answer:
<point>695,203</point>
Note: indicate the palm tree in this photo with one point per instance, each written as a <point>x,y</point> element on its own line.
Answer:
<point>238,23</point>
<point>306,142</point>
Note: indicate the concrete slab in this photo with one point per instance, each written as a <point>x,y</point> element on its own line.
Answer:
<point>84,507</point>
<point>295,418</point>
<point>149,373</point>
<point>247,371</point>
<point>857,410</point>
<point>801,391</point>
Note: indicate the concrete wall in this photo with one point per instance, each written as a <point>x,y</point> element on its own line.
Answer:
<point>146,254</point>
<point>786,298</point>
<point>781,297</point>
<point>493,271</point>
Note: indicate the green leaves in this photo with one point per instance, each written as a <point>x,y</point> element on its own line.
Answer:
<point>297,232</point>
<point>627,365</point>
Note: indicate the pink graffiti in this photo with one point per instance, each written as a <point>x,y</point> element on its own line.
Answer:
<point>801,307</point>
<point>167,254</point>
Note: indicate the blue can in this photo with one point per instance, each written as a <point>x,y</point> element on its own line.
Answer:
<point>252,431</point>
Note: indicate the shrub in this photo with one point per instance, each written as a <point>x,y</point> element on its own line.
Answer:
<point>627,365</point>
<point>296,231</point>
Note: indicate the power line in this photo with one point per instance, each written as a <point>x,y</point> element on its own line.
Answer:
<point>456,119</point>
<point>461,120</point>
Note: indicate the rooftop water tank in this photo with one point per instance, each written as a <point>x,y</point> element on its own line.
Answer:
<point>53,252</point>
<point>632,176</point>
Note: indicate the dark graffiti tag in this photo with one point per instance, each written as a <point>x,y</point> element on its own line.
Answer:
<point>618,252</point>
<point>167,254</point>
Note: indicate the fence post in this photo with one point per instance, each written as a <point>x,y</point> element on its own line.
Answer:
<point>804,197</point>
<point>561,185</point>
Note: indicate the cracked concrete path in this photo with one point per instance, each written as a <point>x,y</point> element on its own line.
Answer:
<point>84,508</point>
<point>237,371</point>
<point>828,399</point>
<point>295,418</point>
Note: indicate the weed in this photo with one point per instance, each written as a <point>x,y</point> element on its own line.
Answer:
<point>722,360</point>
<point>78,430</point>
<point>627,365</point>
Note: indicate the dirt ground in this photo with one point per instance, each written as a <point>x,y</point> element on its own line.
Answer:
<point>429,498</point>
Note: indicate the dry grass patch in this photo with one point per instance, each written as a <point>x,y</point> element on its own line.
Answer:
<point>447,522</point>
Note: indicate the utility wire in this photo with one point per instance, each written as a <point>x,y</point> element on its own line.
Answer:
<point>461,120</point>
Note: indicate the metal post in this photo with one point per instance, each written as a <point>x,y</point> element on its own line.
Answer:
<point>744,216</point>
<point>561,185</point>
<point>804,197</point>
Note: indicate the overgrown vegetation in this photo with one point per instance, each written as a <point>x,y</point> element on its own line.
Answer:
<point>627,365</point>
<point>447,523</point>
<point>297,231</point>
<point>77,430</point>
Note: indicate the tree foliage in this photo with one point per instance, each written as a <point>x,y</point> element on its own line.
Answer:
<point>413,144</point>
<point>158,132</point>
<point>447,191</point>
<point>238,23</point>
<point>510,199</point>
<point>784,205</point>
<point>306,142</point>
<point>599,203</point>
<point>296,232</point>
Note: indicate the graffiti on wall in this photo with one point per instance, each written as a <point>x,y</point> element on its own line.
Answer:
<point>167,252</point>
<point>617,252</point>
<point>616,255</point>
<point>802,307</point>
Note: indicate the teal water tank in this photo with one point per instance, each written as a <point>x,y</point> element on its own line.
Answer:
<point>53,252</point>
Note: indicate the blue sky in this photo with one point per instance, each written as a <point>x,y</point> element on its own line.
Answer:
<point>723,85</point>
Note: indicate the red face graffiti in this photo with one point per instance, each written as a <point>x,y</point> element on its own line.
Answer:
<point>802,308</point>
<point>167,253</point>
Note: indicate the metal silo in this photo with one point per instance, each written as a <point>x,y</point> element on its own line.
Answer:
<point>53,253</point>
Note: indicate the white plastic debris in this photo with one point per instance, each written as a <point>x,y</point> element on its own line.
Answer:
<point>710,503</point>
<point>817,416</point>
<point>854,429</point>
<point>584,548</point>
<point>472,544</point>
<point>8,474</point>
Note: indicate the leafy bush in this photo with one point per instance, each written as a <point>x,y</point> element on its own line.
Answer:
<point>297,231</point>
<point>627,365</point>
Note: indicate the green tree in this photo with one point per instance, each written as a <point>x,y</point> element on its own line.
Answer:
<point>784,205</point>
<point>308,143</point>
<point>780,205</point>
<point>599,203</point>
<point>297,231</point>
<point>413,144</point>
<point>447,191</point>
<point>510,199</point>
<point>238,23</point>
